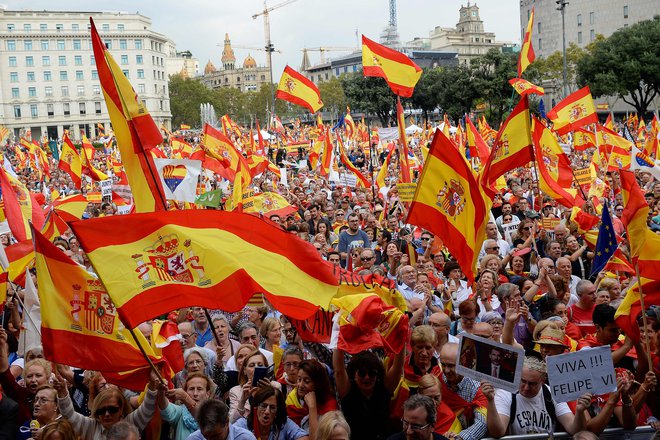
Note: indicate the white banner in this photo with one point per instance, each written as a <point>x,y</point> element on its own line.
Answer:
<point>106,188</point>
<point>348,179</point>
<point>590,370</point>
<point>179,178</point>
<point>388,134</point>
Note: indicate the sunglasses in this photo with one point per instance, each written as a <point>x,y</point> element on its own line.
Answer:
<point>107,410</point>
<point>362,372</point>
<point>367,258</point>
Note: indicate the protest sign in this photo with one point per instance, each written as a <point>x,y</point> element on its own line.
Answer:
<point>106,187</point>
<point>317,328</point>
<point>509,229</point>
<point>571,375</point>
<point>406,191</point>
<point>211,199</point>
<point>348,179</point>
<point>583,175</point>
<point>485,359</point>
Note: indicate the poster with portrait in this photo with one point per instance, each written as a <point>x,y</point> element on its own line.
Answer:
<point>485,359</point>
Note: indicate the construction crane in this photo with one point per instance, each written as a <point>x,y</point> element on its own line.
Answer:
<point>325,49</point>
<point>269,45</point>
<point>234,46</point>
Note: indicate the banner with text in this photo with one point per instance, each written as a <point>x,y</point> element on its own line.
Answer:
<point>571,375</point>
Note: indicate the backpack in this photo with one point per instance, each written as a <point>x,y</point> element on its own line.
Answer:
<point>549,407</point>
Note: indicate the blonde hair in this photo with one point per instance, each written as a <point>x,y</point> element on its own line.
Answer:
<point>106,395</point>
<point>40,362</point>
<point>267,325</point>
<point>329,421</point>
<point>428,381</point>
<point>422,333</point>
<point>60,426</point>
<point>607,284</point>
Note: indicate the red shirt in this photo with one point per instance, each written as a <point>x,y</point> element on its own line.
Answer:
<point>582,319</point>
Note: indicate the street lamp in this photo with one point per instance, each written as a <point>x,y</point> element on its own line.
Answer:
<point>562,7</point>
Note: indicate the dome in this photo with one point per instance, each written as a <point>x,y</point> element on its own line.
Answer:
<point>210,68</point>
<point>249,63</point>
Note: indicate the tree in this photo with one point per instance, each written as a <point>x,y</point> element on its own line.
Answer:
<point>370,95</point>
<point>426,96</point>
<point>626,64</point>
<point>457,90</point>
<point>185,97</point>
<point>332,95</point>
<point>491,73</point>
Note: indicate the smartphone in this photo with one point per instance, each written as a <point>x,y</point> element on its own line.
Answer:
<point>262,373</point>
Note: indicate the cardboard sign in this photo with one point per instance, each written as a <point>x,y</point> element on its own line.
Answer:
<point>583,176</point>
<point>316,328</point>
<point>485,359</point>
<point>348,179</point>
<point>106,187</point>
<point>571,375</point>
<point>406,191</point>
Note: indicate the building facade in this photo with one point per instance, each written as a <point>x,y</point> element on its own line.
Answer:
<point>181,63</point>
<point>48,77</point>
<point>248,77</point>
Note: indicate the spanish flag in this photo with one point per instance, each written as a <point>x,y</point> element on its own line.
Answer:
<point>20,257</point>
<point>555,175</point>
<point>21,206</point>
<point>451,204</point>
<point>631,306</point>
<point>527,55</point>
<point>475,143</point>
<point>134,129</point>
<point>362,180</point>
<point>404,163</point>
<point>269,203</point>
<point>400,72</point>
<point>219,147</point>
<point>583,139</point>
<point>524,87</point>
<point>70,161</point>
<point>644,244</point>
<point>297,89</point>
<point>513,145</point>
<point>216,259</point>
<point>87,155</point>
<point>574,111</point>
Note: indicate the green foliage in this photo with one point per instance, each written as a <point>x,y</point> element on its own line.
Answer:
<point>626,64</point>
<point>370,95</point>
<point>333,96</point>
<point>185,97</point>
<point>427,91</point>
<point>491,78</point>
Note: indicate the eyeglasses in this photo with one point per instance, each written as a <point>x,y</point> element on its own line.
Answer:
<point>500,323</point>
<point>43,400</point>
<point>363,372</point>
<point>265,406</point>
<point>367,258</point>
<point>527,228</point>
<point>289,331</point>
<point>426,238</point>
<point>494,248</point>
<point>106,410</point>
<point>413,426</point>
<point>195,362</point>
<point>619,209</point>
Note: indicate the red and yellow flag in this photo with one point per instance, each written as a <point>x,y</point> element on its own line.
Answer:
<point>527,55</point>
<point>450,203</point>
<point>297,89</point>
<point>362,180</point>
<point>134,129</point>
<point>404,163</point>
<point>524,87</point>
<point>20,257</point>
<point>644,244</point>
<point>215,259</point>
<point>20,206</point>
<point>269,203</point>
<point>574,111</point>
<point>88,167</point>
<point>631,307</point>
<point>219,147</point>
<point>70,161</point>
<point>475,143</point>
<point>400,72</point>
<point>583,139</point>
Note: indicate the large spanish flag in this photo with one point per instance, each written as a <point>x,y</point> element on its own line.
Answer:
<point>297,89</point>
<point>555,175</point>
<point>400,72</point>
<point>644,244</point>
<point>527,54</point>
<point>574,111</point>
<point>159,262</point>
<point>134,129</point>
<point>450,203</point>
<point>70,161</point>
<point>79,322</point>
<point>220,147</point>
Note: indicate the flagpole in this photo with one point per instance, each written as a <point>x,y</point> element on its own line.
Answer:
<point>647,345</point>
<point>210,320</point>
<point>144,353</point>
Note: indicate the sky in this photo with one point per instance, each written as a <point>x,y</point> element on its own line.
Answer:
<point>200,25</point>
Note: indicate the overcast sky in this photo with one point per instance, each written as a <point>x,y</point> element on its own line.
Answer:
<point>198,25</point>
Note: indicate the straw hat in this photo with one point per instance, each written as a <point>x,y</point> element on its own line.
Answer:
<point>551,336</point>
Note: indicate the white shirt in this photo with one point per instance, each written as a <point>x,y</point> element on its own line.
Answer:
<point>231,363</point>
<point>531,416</point>
<point>504,248</point>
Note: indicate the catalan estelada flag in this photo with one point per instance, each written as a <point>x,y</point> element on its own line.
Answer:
<point>524,87</point>
<point>574,111</point>
<point>134,129</point>
<point>527,55</point>
<point>215,259</point>
<point>70,161</point>
<point>631,307</point>
<point>400,72</point>
<point>297,89</point>
<point>450,202</point>
<point>644,244</point>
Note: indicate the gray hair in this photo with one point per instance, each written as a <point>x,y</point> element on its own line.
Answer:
<point>536,364</point>
<point>195,350</point>
<point>246,325</point>
<point>419,401</point>
<point>581,286</point>
<point>505,290</point>
<point>121,431</point>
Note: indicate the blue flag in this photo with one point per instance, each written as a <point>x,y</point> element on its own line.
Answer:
<point>339,124</point>
<point>606,244</point>
<point>542,109</point>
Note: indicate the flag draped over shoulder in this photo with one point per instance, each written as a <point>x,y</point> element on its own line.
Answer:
<point>574,111</point>
<point>297,89</point>
<point>644,244</point>
<point>400,72</point>
<point>134,129</point>
<point>214,259</point>
<point>527,54</point>
<point>450,203</point>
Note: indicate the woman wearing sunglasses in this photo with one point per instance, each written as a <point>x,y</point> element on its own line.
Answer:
<point>109,407</point>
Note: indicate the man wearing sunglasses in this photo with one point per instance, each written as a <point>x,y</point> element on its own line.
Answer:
<point>419,417</point>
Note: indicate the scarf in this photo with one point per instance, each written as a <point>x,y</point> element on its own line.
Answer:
<point>446,420</point>
<point>460,405</point>
<point>188,420</point>
<point>297,411</point>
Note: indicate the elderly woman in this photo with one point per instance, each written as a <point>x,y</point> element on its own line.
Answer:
<point>45,412</point>
<point>228,346</point>
<point>271,334</point>
<point>239,396</point>
<point>497,322</point>
<point>486,286</point>
<point>194,361</point>
<point>446,422</point>
<point>614,289</point>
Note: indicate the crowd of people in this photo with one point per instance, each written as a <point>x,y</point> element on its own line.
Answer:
<point>251,375</point>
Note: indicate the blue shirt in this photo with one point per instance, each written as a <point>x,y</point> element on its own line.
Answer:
<point>203,338</point>
<point>235,433</point>
<point>290,431</point>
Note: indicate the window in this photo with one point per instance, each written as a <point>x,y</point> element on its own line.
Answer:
<point>92,61</point>
<point>44,44</point>
<point>81,90</point>
<point>50,109</point>
<point>625,11</point>
<point>67,109</point>
<point>32,92</point>
<point>79,75</point>
<point>81,107</point>
<point>75,27</point>
<point>10,27</point>
<point>48,76</point>
<point>155,88</point>
<point>579,37</point>
<point>538,25</point>
<point>61,60</point>
<point>592,17</point>
<point>108,43</point>
<point>29,61</point>
<point>140,73</point>
<point>125,72</point>
<point>120,27</point>
<point>17,111</point>
<point>106,27</point>
<point>97,108</point>
<point>124,59</point>
<point>12,62</point>
<point>540,44</point>
<point>59,27</point>
<point>43,27</point>
<point>65,91</point>
<point>96,90</point>
<point>141,88</point>
<point>27,27</point>
<point>45,60</point>
<point>592,35</point>
<point>139,59</point>
<point>138,44</point>
<point>15,92</point>
<point>95,74</point>
<point>162,106</point>
<point>34,110</point>
<point>123,44</point>
<point>30,77</point>
<point>61,45</point>
<point>13,77</point>
<point>64,75</point>
<point>11,45</point>
<point>77,60</point>
<point>27,44</point>
<point>77,45</point>
<point>48,91</point>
